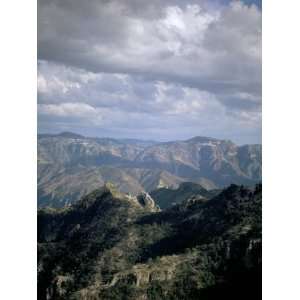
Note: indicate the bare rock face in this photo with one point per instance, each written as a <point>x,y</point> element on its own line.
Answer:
<point>70,166</point>
<point>146,201</point>
<point>141,275</point>
<point>58,288</point>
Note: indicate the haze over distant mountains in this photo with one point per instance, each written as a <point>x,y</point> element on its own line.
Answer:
<point>71,165</point>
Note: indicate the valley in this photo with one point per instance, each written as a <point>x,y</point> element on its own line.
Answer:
<point>70,165</point>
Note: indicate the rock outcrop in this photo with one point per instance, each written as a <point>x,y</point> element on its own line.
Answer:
<point>146,201</point>
<point>115,246</point>
<point>71,166</point>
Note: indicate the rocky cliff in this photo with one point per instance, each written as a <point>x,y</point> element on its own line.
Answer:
<point>70,166</point>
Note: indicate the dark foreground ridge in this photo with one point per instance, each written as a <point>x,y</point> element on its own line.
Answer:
<point>114,246</point>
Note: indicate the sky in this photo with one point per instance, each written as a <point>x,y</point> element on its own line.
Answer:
<point>154,70</point>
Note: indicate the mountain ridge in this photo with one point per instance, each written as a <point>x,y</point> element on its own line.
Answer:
<point>70,134</point>
<point>110,247</point>
<point>66,161</point>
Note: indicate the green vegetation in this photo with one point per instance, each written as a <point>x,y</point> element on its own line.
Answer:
<point>111,246</point>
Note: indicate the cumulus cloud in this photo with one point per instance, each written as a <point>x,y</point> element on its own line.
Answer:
<point>213,49</point>
<point>68,109</point>
<point>152,62</point>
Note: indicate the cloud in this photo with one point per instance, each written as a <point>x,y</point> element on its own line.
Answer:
<point>153,63</point>
<point>121,92</point>
<point>80,113</point>
<point>121,105</point>
<point>214,50</point>
<point>67,109</point>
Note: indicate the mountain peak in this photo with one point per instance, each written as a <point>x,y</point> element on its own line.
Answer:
<point>112,189</point>
<point>107,191</point>
<point>71,135</point>
<point>136,252</point>
<point>204,139</point>
<point>201,139</point>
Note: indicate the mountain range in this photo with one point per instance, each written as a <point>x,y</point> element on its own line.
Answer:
<point>110,245</point>
<point>70,165</point>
